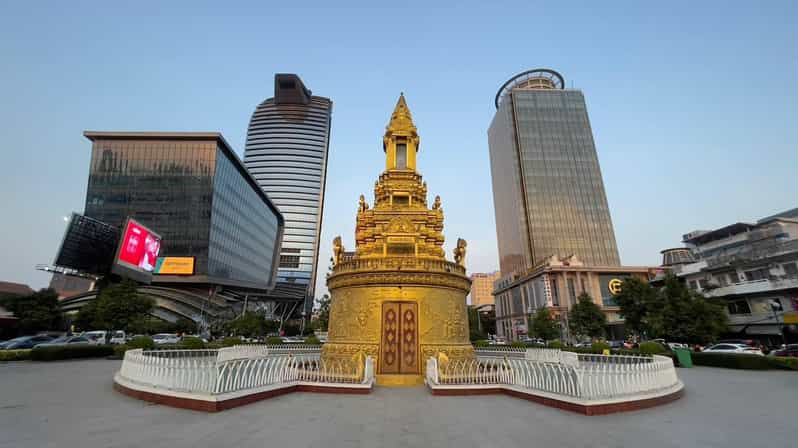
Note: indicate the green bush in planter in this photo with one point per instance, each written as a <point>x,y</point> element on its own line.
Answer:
<point>274,340</point>
<point>231,341</point>
<point>731,361</point>
<point>481,343</point>
<point>145,342</point>
<point>192,343</point>
<point>312,340</point>
<point>599,347</point>
<point>779,362</point>
<point>71,352</point>
<point>14,355</point>
<point>517,344</point>
<point>555,344</point>
<point>652,348</point>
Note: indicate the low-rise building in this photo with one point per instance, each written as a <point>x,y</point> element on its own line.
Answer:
<point>753,267</point>
<point>556,284</point>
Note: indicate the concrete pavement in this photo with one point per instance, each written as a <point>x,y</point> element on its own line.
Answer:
<point>72,404</point>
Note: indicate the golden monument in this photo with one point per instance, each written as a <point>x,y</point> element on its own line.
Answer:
<point>398,299</point>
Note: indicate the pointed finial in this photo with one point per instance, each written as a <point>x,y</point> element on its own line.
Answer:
<point>401,119</point>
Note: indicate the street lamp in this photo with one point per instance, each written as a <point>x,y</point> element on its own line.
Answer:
<point>775,307</point>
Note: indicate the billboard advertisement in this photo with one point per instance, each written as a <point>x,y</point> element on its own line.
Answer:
<point>137,252</point>
<point>88,246</point>
<point>174,266</point>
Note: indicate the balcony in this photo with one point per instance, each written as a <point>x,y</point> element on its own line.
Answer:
<point>754,287</point>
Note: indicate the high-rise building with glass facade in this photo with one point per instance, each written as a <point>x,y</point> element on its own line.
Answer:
<point>192,190</point>
<point>548,192</point>
<point>287,144</point>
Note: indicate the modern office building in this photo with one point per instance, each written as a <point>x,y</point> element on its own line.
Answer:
<point>556,284</point>
<point>192,190</point>
<point>286,152</point>
<point>548,191</point>
<point>753,268</point>
<point>482,288</point>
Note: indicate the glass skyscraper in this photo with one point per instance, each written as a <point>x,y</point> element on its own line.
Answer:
<point>287,144</point>
<point>548,192</point>
<point>192,190</point>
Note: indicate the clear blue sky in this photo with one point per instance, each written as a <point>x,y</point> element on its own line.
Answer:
<point>693,104</point>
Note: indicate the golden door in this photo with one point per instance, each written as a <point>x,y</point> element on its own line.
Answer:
<point>399,345</point>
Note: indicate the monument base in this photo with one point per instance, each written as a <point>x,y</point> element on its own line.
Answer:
<point>404,380</point>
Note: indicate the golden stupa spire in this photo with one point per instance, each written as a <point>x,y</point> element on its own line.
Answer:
<point>401,120</point>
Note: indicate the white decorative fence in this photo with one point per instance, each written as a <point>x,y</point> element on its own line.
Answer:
<point>585,378</point>
<point>239,368</point>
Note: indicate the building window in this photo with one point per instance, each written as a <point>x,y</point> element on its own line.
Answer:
<point>757,274</point>
<point>401,156</point>
<point>401,200</point>
<point>289,261</point>
<point>739,307</point>
<point>572,291</point>
<point>703,283</point>
<point>555,296</point>
<point>790,269</point>
<point>693,284</point>
<point>734,277</point>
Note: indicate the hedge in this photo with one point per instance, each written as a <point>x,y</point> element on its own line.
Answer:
<point>312,340</point>
<point>14,355</point>
<point>742,361</point>
<point>192,343</point>
<point>652,348</point>
<point>71,352</point>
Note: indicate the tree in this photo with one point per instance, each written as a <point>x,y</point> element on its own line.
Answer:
<point>475,332</point>
<point>637,300</point>
<point>685,315</point>
<point>36,312</point>
<point>323,319</point>
<point>117,307</point>
<point>487,319</point>
<point>586,318</point>
<point>250,324</point>
<point>543,326</point>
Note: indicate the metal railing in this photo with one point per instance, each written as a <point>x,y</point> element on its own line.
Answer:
<point>213,372</point>
<point>582,376</point>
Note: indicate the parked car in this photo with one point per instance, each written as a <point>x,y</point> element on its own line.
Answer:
<point>292,340</point>
<point>118,338</point>
<point>587,344</point>
<point>165,338</point>
<point>534,342</point>
<point>790,350</point>
<point>734,348</point>
<point>24,342</point>
<point>616,344</point>
<point>65,340</point>
<point>96,337</point>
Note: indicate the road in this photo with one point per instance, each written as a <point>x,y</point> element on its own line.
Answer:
<point>72,404</point>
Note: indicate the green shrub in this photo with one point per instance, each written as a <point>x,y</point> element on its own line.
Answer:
<point>192,343</point>
<point>517,344</point>
<point>231,341</point>
<point>599,347</point>
<point>14,355</point>
<point>652,348</point>
<point>274,340</point>
<point>71,352</point>
<point>779,362</point>
<point>481,343</point>
<point>141,342</point>
<point>731,361</point>
<point>555,344</point>
<point>312,340</point>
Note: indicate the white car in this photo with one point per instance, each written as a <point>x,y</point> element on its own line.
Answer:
<point>734,348</point>
<point>95,337</point>
<point>119,337</point>
<point>165,338</point>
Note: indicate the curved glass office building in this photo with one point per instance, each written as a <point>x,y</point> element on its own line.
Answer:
<point>286,152</point>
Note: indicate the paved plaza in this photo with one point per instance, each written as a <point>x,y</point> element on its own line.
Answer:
<point>73,404</point>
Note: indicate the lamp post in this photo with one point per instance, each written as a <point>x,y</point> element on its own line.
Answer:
<point>776,307</point>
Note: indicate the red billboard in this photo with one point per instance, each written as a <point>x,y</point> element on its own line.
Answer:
<point>138,249</point>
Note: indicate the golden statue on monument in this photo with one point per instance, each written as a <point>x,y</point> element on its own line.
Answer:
<point>398,299</point>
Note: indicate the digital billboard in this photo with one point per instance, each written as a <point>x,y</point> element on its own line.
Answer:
<point>88,246</point>
<point>137,252</point>
<point>174,266</point>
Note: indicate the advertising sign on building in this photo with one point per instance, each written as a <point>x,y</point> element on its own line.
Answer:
<point>174,266</point>
<point>137,252</point>
<point>611,286</point>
